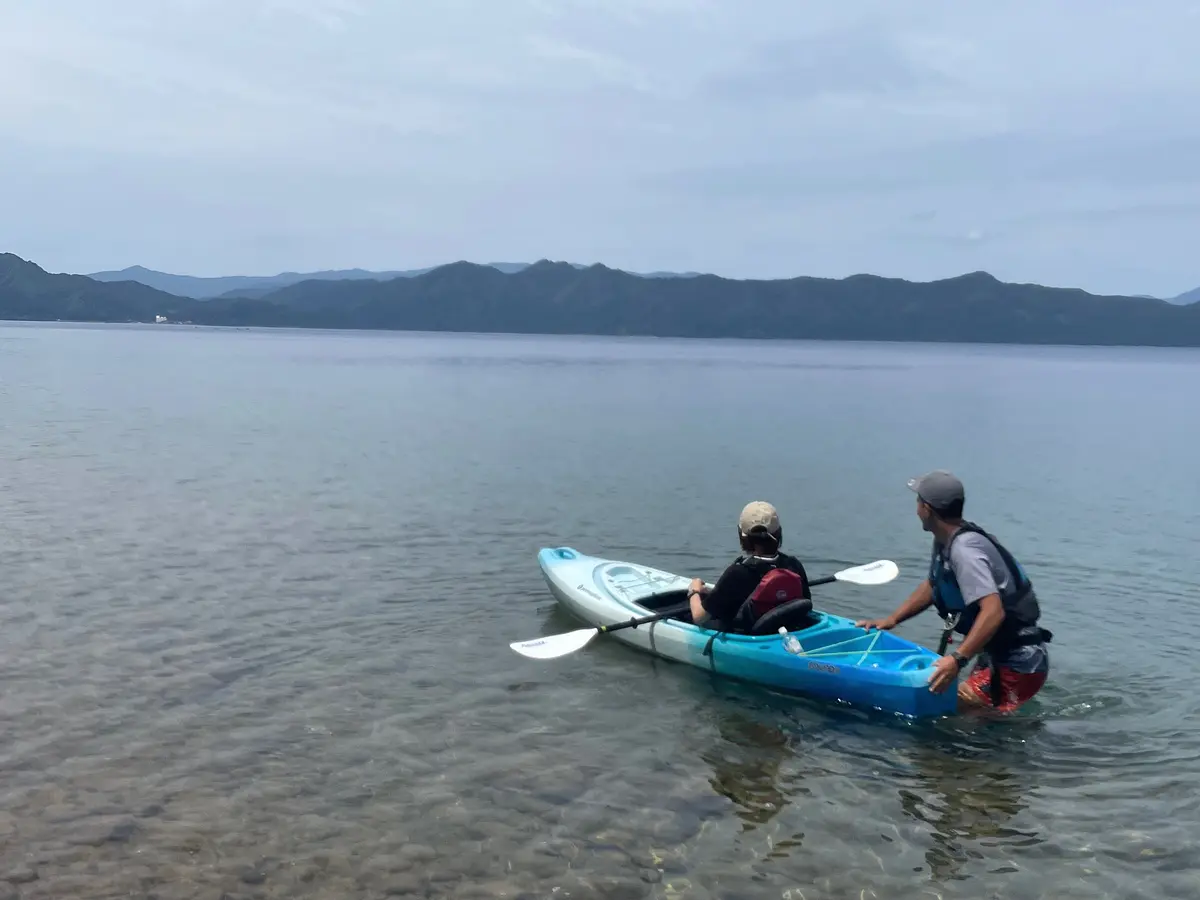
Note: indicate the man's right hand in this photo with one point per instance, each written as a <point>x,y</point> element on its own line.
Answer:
<point>920,599</point>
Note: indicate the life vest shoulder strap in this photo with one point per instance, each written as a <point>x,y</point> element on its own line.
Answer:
<point>1020,581</point>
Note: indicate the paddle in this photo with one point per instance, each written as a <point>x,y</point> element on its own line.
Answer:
<point>555,645</point>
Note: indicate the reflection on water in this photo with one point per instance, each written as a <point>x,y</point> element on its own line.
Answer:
<point>966,794</point>
<point>967,797</point>
<point>746,763</point>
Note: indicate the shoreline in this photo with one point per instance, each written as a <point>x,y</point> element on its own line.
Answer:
<point>333,329</point>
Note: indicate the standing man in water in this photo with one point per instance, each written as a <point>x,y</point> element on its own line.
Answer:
<point>980,591</point>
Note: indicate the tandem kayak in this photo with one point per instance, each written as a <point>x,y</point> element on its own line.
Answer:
<point>837,660</point>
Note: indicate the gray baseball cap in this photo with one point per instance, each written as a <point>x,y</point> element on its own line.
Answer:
<point>939,489</point>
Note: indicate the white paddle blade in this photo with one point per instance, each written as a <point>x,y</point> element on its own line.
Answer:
<point>879,572</point>
<point>555,645</point>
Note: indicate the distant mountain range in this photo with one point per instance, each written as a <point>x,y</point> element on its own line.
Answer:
<point>261,285</point>
<point>1192,296</point>
<point>563,298</point>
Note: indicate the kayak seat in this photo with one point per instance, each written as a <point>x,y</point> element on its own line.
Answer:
<point>795,615</point>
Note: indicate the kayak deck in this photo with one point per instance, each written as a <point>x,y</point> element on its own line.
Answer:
<point>823,636</point>
<point>837,659</point>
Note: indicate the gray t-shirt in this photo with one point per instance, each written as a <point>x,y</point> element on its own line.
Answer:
<point>980,570</point>
<point>978,567</point>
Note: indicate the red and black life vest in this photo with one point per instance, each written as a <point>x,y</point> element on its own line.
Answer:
<point>781,583</point>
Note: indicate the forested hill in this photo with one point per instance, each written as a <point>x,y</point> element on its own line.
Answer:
<point>560,298</point>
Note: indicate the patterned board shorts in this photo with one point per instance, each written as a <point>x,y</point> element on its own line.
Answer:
<point>1017,687</point>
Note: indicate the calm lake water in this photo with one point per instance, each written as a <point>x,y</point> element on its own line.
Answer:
<point>258,590</point>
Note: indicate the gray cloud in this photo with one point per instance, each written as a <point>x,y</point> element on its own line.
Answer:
<point>855,60</point>
<point>1008,160</point>
<point>1054,142</point>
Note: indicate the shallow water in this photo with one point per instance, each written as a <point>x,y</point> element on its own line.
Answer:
<point>258,590</point>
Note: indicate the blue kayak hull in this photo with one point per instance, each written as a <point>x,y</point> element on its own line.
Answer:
<point>838,661</point>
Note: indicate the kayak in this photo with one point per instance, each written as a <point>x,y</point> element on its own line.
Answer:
<point>836,661</point>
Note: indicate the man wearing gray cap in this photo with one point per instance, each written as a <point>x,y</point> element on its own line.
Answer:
<point>981,592</point>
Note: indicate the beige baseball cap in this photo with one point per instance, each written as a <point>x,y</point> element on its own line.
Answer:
<point>758,515</point>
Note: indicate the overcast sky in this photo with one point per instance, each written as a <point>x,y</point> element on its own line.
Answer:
<point>1056,142</point>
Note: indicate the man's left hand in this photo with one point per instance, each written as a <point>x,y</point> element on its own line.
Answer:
<point>944,672</point>
<point>697,585</point>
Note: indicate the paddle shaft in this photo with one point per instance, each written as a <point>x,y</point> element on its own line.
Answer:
<point>676,610</point>
<point>644,620</point>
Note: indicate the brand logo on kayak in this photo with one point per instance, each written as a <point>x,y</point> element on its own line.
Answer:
<point>823,667</point>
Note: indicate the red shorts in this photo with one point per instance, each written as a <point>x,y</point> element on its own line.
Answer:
<point>1017,687</point>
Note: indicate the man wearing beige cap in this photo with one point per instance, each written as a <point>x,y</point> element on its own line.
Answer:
<point>982,593</point>
<point>736,599</point>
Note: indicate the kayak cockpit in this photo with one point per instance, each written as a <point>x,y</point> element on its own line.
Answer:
<point>795,616</point>
<point>663,601</point>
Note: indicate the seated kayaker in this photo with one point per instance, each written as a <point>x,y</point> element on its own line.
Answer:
<point>980,591</point>
<point>759,580</point>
